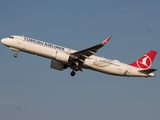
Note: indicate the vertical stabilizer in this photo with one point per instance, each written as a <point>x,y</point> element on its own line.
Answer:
<point>145,61</point>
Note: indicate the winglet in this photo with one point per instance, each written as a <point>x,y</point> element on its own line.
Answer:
<point>106,41</point>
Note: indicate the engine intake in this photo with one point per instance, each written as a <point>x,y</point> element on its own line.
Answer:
<point>57,65</point>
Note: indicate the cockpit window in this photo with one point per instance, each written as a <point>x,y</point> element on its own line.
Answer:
<point>11,37</point>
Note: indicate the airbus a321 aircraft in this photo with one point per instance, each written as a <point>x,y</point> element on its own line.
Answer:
<point>62,57</point>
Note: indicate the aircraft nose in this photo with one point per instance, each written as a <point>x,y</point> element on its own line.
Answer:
<point>2,41</point>
<point>5,41</point>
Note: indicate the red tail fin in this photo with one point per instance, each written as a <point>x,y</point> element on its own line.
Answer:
<point>145,61</point>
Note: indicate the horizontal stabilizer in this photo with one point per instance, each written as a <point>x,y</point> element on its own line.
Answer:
<point>147,71</point>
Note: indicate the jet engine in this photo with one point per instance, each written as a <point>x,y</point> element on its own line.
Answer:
<point>57,65</point>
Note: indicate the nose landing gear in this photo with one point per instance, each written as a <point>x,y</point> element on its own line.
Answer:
<point>15,55</point>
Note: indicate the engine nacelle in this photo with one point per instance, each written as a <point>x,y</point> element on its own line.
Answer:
<point>57,65</point>
<point>62,57</point>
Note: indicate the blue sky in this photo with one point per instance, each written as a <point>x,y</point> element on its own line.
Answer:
<point>30,89</point>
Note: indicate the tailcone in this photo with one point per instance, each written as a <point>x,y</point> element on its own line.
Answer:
<point>151,75</point>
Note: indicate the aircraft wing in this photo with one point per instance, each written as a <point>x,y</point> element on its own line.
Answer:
<point>83,54</point>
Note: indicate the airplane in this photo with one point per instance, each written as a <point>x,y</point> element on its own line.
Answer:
<point>62,57</point>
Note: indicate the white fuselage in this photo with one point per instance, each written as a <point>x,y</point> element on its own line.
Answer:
<point>47,50</point>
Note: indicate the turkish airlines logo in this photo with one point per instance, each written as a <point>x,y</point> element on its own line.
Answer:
<point>145,62</point>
